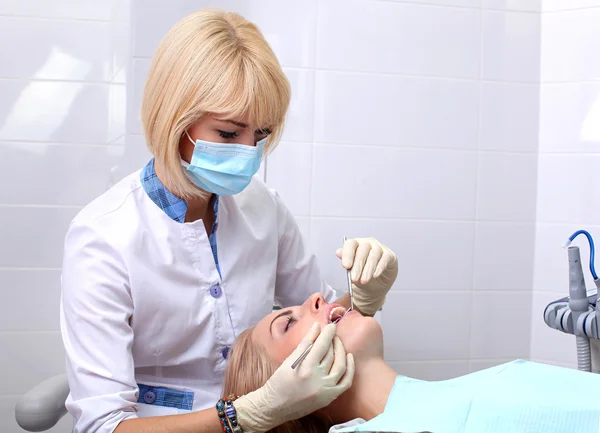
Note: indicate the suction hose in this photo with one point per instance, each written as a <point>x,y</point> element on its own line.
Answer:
<point>584,354</point>
<point>578,304</point>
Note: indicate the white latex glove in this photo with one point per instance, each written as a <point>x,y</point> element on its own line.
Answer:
<point>321,377</point>
<point>374,268</point>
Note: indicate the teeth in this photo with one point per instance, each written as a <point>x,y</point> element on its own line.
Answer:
<point>336,314</point>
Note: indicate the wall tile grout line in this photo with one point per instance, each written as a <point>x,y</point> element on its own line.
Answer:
<point>108,82</point>
<point>423,148</point>
<point>43,206</point>
<point>25,331</point>
<point>314,123</point>
<point>412,75</point>
<point>418,219</point>
<point>477,180</point>
<point>8,141</point>
<point>457,7</point>
<point>401,75</point>
<point>582,8</point>
<point>60,19</point>
<point>27,268</point>
<point>553,153</point>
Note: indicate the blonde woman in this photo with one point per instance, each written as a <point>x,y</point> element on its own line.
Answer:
<point>515,397</point>
<point>163,271</point>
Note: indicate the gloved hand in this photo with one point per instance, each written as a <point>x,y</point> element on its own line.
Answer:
<point>374,268</point>
<point>322,376</point>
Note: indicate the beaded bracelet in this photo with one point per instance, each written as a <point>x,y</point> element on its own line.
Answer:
<point>228,415</point>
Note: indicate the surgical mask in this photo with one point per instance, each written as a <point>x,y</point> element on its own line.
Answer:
<point>223,169</point>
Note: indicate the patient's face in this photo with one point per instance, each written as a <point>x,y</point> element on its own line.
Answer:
<point>281,331</point>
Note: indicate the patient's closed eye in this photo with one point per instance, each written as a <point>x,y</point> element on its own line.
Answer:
<point>290,321</point>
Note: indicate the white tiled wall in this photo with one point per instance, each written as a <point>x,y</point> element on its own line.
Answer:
<point>569,157</point>
<point>422,123</point>
<point>62,125</point>
<point>425,136</point>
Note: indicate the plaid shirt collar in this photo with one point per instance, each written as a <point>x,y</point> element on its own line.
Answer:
<point>172,205</point>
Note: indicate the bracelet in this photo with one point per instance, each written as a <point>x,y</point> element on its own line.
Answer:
<point>228,415</point>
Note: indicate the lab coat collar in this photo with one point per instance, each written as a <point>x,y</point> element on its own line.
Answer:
<point>169,203</point>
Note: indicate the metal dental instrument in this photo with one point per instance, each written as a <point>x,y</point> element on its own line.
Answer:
<point>301,357</point>
<point>350,291</point>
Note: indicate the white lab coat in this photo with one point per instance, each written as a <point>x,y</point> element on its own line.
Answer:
<point>137,305</point>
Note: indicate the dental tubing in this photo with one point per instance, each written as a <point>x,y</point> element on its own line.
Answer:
<point>592,252</point>
<point>578,304</point>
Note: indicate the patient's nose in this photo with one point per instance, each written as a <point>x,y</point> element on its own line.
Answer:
<point>315,303</point>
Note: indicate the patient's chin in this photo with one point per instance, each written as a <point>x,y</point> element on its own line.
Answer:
<point>361,336</point>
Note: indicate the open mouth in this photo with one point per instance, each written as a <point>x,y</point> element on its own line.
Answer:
<point>336,314</point>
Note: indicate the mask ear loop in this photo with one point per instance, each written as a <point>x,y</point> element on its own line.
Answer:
<point>190,138</point>
<point>183,162</point>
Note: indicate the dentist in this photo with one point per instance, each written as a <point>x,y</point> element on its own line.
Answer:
<point>164,270</point>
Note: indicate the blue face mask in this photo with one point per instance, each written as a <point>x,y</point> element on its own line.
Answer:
<point>223,169</point>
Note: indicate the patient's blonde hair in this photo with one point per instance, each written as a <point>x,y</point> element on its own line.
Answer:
<point>248,368</point>
<point>210,62</point>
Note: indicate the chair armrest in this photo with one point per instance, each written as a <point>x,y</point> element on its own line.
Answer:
<point>44,405</point>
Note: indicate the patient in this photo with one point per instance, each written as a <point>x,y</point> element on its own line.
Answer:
<point>516,397</point>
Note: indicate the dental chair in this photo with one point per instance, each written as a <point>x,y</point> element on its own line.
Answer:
<point>43,406</point>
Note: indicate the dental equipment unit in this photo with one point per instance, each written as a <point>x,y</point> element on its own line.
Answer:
<point>578,313</point>
<point>335,312</point>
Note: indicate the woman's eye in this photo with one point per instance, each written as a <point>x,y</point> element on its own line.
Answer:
<point>227,134</point>
<point>263,132</point>
<point>290,321</point>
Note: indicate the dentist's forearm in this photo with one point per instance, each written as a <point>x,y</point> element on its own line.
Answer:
<point>204,421</point>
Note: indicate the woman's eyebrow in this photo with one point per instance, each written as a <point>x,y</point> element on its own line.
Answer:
<point>282,314</point>
<point>240,124</point>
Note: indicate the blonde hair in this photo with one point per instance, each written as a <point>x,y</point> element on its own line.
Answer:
<point>248,368</point>
<point>210,62</point>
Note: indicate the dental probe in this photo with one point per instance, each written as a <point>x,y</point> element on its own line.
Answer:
<point>301,357</point>
<point>350,291</point>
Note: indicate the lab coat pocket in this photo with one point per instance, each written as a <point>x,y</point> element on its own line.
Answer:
<point>147,410</point>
